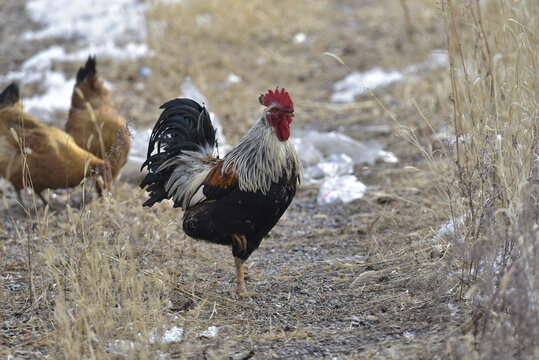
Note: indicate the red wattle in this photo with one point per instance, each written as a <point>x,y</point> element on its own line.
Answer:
<point>282,130</point>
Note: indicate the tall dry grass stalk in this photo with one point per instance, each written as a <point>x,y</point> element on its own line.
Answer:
<point>27,206</point>
<point>492,49</point>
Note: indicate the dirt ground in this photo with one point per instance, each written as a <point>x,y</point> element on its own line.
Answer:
<point>357,280</point>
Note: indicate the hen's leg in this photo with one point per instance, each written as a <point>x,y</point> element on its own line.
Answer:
<point>19,196</point>
<point>45,202</point>
<point>240,243</point>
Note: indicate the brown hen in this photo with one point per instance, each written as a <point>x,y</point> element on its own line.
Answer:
<point>53,159</point>
<point>92,114</point>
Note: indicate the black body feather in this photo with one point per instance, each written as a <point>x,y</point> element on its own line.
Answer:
<point>183,125</point>
<point>252,214</point>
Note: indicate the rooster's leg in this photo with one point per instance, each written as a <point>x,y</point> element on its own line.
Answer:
<point>240,288</point>
<point>240,243</point>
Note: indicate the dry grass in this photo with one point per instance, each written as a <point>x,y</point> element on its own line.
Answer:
<point>368,279</point>
<point>493,55</point>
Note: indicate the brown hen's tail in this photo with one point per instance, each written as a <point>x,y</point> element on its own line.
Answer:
<point>88,72</point>
<point>10,95</point>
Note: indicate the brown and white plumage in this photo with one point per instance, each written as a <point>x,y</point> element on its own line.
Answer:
<point>92,108</point>
<point>53,159</point>
<point>233,201</point>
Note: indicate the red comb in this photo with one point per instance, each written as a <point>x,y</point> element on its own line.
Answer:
<point>282,98</point>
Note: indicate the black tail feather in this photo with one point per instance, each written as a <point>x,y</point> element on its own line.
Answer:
<point>184,125</point>
<point>89,70</point>
<point>10,95</point>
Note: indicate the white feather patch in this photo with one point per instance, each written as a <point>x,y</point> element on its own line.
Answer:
<point>261,158</point>
<point>198,196</point>
<point>189,169</point>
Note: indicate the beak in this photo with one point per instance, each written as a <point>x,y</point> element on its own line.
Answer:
<point>290,114</point>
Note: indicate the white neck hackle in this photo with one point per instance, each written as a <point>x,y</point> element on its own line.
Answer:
<point>261,159</point>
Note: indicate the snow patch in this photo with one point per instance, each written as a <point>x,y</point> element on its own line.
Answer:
<point>56,97</point>
<point>448,229</point>
<point>210,333</point>
<point>356,83</point>
<point>94,24</point>
<point>232,79</point>
<point>174,334</point>
<point>299,38</point>
<point>407,334</point>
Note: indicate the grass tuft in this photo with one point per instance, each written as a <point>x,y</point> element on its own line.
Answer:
<point>493,53</point>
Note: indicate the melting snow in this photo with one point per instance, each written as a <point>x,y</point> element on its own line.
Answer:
<point>408,334</point>
<point>299,38</point>
<point>357,83</point>
<point>57,95</point>
<point>122,345</point>
<point>210,333</point>
<point>448,229</point>
<point>95,25</point>
<point>233,79</point>
<point>329,158</point>
<point>174,334</point>
<point>58,89</point>
<point>453,309</point>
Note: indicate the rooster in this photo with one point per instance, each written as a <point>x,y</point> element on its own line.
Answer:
<point>232,201</point>
<point>92,113</point>
<point>49,156</point>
